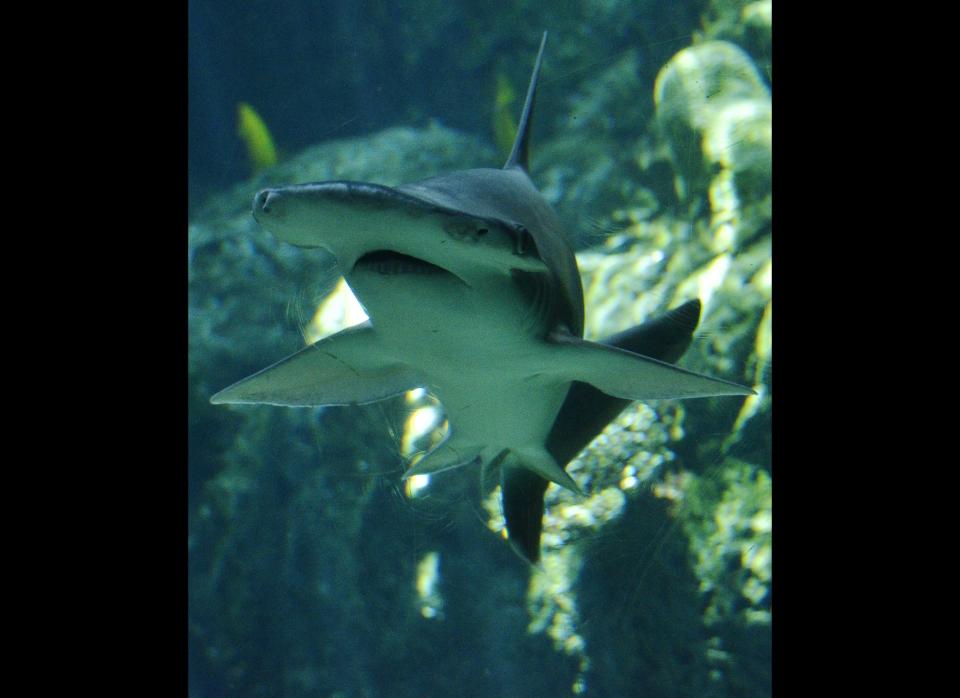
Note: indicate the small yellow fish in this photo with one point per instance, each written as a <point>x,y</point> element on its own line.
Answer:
<point>256,136</point>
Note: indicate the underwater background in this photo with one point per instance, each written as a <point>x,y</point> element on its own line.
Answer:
<point>314,570</point>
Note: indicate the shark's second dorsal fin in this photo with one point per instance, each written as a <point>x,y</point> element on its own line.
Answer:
<point>518,154</point>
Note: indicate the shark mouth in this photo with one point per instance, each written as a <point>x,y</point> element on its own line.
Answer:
<point>388,262</point>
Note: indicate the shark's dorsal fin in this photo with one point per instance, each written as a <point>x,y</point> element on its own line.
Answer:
<point>519,153</point>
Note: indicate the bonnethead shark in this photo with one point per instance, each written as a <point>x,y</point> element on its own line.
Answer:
<point>472,291</point>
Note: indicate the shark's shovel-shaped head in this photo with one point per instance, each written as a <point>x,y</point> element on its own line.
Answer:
<point>472,291</point>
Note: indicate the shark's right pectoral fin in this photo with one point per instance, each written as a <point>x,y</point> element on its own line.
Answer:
<point>344,369</point>
<point>630,376</point>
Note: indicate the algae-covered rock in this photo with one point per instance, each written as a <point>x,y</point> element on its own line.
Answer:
<point>710,458</point>
<point>714,113</point>
<point>714,110</point>
<point>747,23</point>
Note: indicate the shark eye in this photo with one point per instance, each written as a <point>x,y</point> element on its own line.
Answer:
<point>482,232</point>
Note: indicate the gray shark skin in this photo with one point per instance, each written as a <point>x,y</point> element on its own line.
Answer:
<point>473,292</point>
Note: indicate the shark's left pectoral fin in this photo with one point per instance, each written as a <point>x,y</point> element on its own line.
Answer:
<point>630,376</point>
<point>348,368</point>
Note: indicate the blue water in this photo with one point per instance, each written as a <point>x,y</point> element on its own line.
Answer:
<point>315,570</point>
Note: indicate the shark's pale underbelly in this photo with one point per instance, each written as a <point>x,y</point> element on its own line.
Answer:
<point>479,346</point>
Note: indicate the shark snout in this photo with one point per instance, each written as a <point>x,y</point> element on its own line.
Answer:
<point>297,215</point>
<point>264,203</point>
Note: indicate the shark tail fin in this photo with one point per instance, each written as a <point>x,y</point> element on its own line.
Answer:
<point>665,337</point>
<point>587,411</point>
<point>521,498</point>
<point>519,154</point>
<point>524,475</point>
